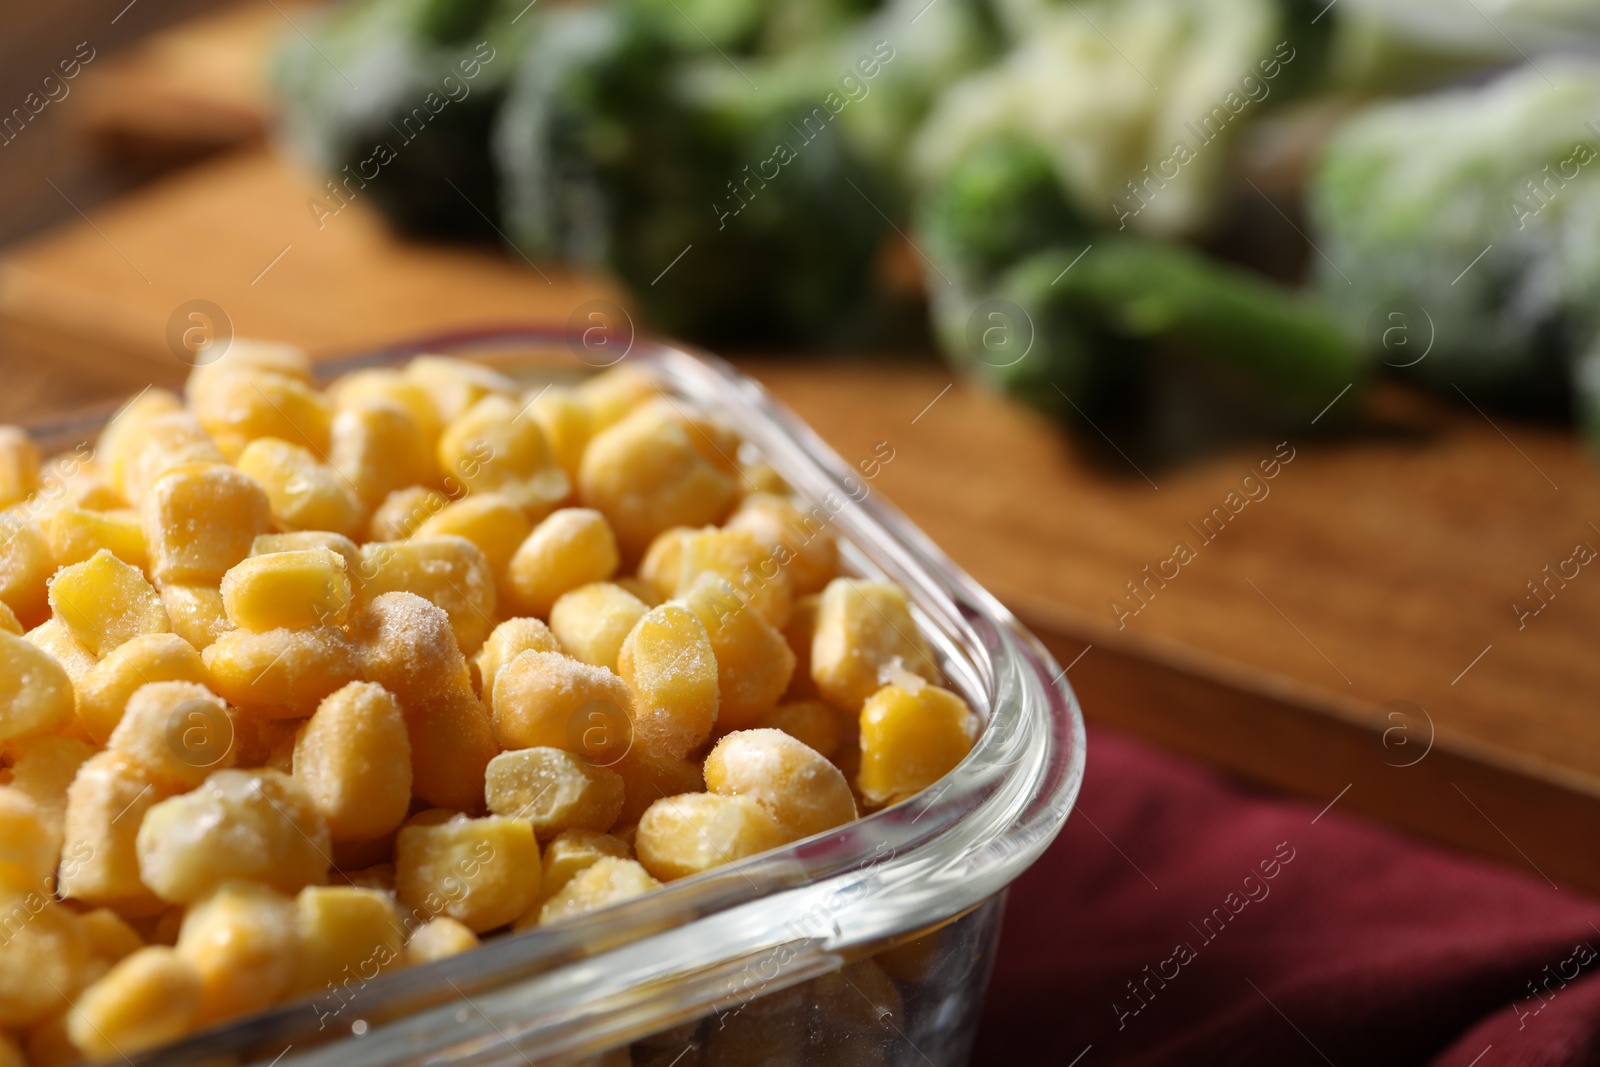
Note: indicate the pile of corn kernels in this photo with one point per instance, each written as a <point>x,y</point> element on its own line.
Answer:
<point>298,687</point>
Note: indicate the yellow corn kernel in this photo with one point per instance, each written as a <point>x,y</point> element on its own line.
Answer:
<point>452,742</point>
<point>648,776</point>
<point>25,567</point>
<point>799,788</point>
<point>645,476</point>
<point>402,511</point>
<point>35,693</point>
<point>8,620</point>
<point>196,612</point>
<point>106,803</point>
<point>798,634</point>
<point>798,540</point>
<point>148,999</point>
<point>199,521</point>
<point>553,790</point>
<point>244,405</point>
<point>124,434</point>
<point>305,493</point>
<point>28,858</point>
<point>454,385</point>
<point>378,448</point>
<point>300,540</point>
<point>494,447</point>
<point>105,602</point>
<point>74,480</point>
<point>492,521</point>
<point>111,937</point>
<point>250,356</point>
<point>662,564</point>
<point>592,621</point>
<point>910,738</point>
<point>19,466</point>
<point>104,691</point>
<point>438,939</point>
<point>572,851</point>
<point>168,442</point>
<point>42,769</point>
<point>566,422</point>
<point>353,758</point>
<point>815,723</point>
<point>407,646</point>
<point>684,835</point>
<point>348,936</point>
<point>608,880</point>
<point>75,534</point>
<point>754,663</point>
<point>294,590</point>
<point>759,476</point>
<point>242,941</point>
<point>613,393</point>
<point>670,667</point>
<point>862,629</point>
<point>483,873</point>
<point>45,955</point>
<point>382,383</point>
<point>177,731</point>
<point>751,568</point>
<point>570,548</point>
<point>259,826</point>
<point>281,673</point>
<point>545,699</point>
<point>452,572</point>
<point>509,639</point>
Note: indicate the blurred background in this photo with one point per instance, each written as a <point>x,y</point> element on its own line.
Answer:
<point>1248,349</point>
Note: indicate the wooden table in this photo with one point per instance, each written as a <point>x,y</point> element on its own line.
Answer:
<point>1378,568</point>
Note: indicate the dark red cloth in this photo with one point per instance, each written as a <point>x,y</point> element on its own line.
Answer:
<point>1365,947</point>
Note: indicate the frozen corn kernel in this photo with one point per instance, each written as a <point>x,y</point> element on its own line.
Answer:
<point>645,476</point>
<point>736,555</point>
<point>759,476</point>
<point>910,738</point>
<point>74,480</point>
<point>249,356</point>
<point>28,857</point>
<point>862,629</point>
<point>167,442</point>
<point>148,999</point>
<point>662,564</point>
<point>545,699</point>
<point>35,692</point>
<point>259,826</point>
<point>19,466</point>
<point>800,631</point>
<point>494,522</point>
<point>42,966</point>
<point>407,646</point>
<point>280,673</point>
<point>439,939</point>
<point>300,540</point>
<point>104,691</point>
<point>378,448</point>
<point>566,422</point>
<point>799,788</point>
<point>244,405</point>
<point>649,776</point>
<point>454,385</point>
<point>293,590</point>
<point>111,937</point>
<point>483,873</point>
<point>242,942</point>
<point>305,493</point>
<point>105,602</point>
<point>510,639</point>
<point>402,511</point>
<point>608,880</point>
<point>613,393</point>
<point>199,521</point>
<point>106,803</point>
<point>669,665</point>
<point>177,731</point>
<point>25,567</point>
<point>684,835</point>
<point>754,663</point>
<point>124,433</point>
<point>553,790</point>
<point>42,769</point>
<point>353,758</point>
<point>347,936</point>
<point>592,621</point>
<point>494,447</point>
<point>452,742</point>
<point>798,540</point>
<point>382,383</point>
<point>196,612</point>
<point>817,724</point>
<point>9,623</point>
<point>572,851</point>
<point>75,534</point>
<point>570,548</point>
<point>450,571</point>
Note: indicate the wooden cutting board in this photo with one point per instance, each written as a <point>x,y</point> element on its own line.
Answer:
<point>1369,569</point>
